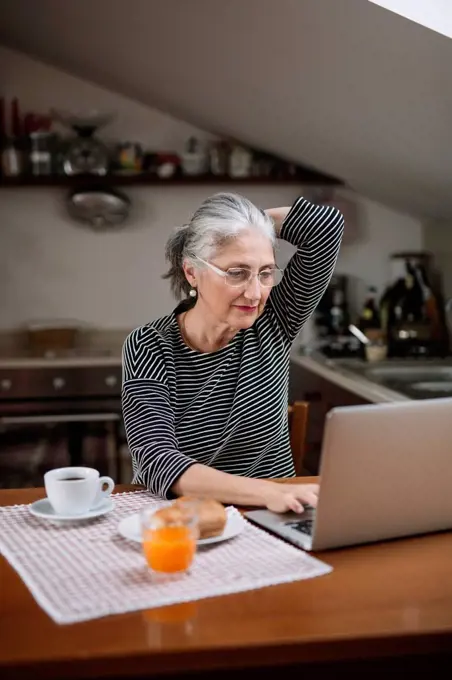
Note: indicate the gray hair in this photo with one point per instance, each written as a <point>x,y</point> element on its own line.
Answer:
<point>217,221</point>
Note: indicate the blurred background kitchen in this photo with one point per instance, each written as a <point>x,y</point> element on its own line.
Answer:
<point>115,126</point>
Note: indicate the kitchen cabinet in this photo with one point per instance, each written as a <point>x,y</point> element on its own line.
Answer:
<point>322,395</point>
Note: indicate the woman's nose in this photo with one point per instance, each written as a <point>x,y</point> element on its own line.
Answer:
<point>253,289</point>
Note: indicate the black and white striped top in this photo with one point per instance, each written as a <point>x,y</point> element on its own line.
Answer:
<point>226,409</point>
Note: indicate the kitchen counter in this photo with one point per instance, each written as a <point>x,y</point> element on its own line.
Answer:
<point>96,349</point>
<point>338,374</point>
<point>103,349</point>
<point>82,360</point>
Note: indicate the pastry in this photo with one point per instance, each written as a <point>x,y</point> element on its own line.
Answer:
<point>211,515</point>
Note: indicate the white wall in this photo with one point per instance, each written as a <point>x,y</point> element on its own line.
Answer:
<point>434,14</point>
<point>52,268</point>
<point>49,267</point>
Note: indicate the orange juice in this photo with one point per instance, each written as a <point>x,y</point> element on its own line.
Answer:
<point>169,549</point>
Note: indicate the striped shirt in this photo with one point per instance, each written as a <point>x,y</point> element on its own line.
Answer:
<point>226,409</point>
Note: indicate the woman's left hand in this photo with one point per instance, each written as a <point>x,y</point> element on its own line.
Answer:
<point>278,216</point>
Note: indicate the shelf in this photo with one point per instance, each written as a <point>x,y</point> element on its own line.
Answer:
<point>143,179</point>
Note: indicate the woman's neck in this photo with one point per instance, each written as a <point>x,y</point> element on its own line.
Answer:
<point>202,332</point>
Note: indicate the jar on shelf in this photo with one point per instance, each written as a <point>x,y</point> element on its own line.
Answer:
<point>41,153</point>
<point>194,160</point>
<point>240,162</point>
<point>219,158</point>
<point>12,159</point>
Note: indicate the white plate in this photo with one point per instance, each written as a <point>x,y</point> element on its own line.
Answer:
<point>44,510</point>
<point>130,528</point>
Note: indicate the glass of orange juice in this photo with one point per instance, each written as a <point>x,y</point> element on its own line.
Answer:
<point>169,538</point>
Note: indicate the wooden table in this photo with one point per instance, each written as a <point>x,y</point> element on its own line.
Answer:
<point>385,607</point>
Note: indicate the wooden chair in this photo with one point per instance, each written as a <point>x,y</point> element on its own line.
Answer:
<point>298,425</point>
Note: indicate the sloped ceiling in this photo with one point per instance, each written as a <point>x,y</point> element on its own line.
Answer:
<point>434,14</point>
<point>344,86</point>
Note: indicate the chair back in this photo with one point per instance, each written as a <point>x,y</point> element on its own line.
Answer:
<point>298,425</point>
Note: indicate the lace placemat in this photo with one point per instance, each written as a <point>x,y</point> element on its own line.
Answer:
<point>86,571</point>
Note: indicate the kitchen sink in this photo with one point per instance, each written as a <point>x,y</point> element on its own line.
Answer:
<point>433,386</point>
<point>416,379</point>
<point>411,374</point>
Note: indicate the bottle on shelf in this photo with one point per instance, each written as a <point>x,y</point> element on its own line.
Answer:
<point>338,313</point>
<point>433,307</point>
<point>12,153</point>
<point>410,310</point>
<point>369,317</point>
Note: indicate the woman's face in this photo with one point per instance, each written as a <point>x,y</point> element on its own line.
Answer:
<point>237,307</point>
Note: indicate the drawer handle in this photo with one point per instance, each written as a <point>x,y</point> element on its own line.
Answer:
<point>6,384</point>
<point>59,383</point>
<point>111,380</point>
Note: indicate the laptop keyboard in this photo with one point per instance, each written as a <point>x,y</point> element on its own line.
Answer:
<point>303,526</point>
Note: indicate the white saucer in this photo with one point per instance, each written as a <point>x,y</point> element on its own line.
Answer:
<point>130,528</point>
<point>44,510</point>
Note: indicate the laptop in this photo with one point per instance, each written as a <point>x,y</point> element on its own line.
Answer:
<point>386,472</point>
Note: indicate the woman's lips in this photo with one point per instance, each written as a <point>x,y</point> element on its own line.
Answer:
<point>246,308</point>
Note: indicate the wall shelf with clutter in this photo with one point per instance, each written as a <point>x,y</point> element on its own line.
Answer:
<point>148,179</point>
<point>62,148</point>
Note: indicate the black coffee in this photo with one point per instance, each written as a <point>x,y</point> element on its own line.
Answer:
<point>70,479</point>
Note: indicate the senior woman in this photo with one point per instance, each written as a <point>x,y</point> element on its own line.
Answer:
<point>205,389</point>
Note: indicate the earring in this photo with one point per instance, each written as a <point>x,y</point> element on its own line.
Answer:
<point>193,293</point>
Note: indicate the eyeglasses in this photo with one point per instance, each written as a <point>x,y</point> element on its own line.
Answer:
<point>239,276</point>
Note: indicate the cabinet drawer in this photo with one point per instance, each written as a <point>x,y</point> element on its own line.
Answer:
<point>51,382</point>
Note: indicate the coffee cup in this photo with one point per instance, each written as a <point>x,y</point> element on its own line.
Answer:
<point>76,490</point>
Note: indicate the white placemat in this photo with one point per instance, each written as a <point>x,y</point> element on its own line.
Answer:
<point>86,571</point>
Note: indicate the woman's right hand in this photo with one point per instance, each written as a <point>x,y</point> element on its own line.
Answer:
<point>286,497</point>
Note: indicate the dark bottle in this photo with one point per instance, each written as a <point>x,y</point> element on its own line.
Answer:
<point>338,313</point>
<point>370,314</point>
<point>434,312</point>
<point>12,155</point>
<point>431,306</point>
<point>410,312</point>
<point>410,308</point>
